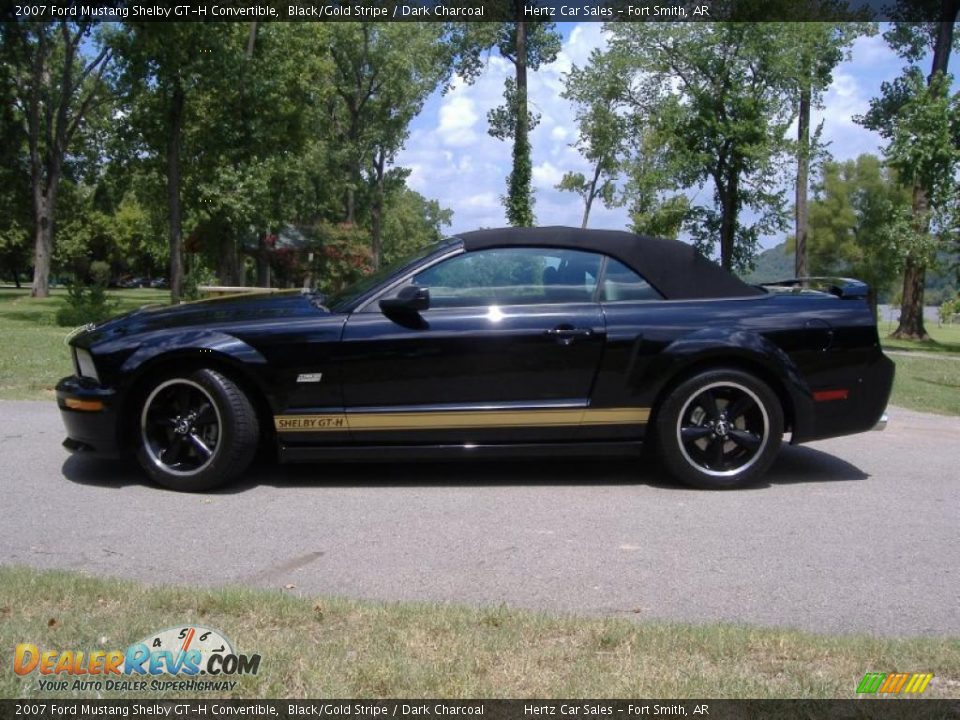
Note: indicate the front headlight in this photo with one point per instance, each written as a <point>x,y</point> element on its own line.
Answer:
<point>85,366</point>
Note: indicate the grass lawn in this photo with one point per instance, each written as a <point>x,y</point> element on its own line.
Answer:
<point>943,339</point>
<point>927,384</point>
<point>325,647</point>
<point>33,356</point>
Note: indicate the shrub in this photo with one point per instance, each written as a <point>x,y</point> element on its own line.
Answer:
<point>948,309</point>
<point>86,303</point>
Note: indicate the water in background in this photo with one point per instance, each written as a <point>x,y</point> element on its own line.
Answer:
<point>891,313</point>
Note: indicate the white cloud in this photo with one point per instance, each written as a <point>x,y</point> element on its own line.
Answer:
<point>483,201</point>
<point>457,118</point>
<point>545,175</point>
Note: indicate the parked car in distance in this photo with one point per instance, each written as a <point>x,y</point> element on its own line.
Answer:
<point>497,343</point>
<point>160,284</point>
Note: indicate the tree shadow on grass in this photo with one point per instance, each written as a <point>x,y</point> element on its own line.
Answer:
<point>793,465</point>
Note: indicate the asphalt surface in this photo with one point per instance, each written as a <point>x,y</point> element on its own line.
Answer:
<point>857,534</point>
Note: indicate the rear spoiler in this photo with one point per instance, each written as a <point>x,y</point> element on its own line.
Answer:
<point>846,288</point>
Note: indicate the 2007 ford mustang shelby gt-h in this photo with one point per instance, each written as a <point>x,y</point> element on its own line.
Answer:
<point>504,342</point>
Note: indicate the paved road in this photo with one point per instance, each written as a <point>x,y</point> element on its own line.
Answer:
<point>854,534</point>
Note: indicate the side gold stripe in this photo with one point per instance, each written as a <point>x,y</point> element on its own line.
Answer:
<point>454,419</point>
<point>616,416</point>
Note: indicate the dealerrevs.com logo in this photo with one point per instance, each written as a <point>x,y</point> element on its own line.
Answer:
<point>183,653</point>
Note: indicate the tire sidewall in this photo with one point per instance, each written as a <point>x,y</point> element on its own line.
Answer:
<point>221,469</point>
<point>668,442</point>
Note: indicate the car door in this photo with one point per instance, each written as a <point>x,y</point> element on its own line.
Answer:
<point>506,352</point>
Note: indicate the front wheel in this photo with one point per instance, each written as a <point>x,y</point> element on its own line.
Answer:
<point>719,429</point>
<point>197,431</point>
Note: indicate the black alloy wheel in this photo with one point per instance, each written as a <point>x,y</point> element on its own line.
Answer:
<point>720,429</point>
<point>196,431</point>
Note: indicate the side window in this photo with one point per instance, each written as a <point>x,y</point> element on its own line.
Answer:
<point>621,284</point>
<point>512,276</point>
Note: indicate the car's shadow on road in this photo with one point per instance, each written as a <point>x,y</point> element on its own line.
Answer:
<point>793,465</point>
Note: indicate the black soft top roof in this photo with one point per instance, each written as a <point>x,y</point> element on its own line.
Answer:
<point>674,268</point>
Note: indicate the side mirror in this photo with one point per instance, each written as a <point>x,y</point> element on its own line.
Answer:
<point>411,299</point>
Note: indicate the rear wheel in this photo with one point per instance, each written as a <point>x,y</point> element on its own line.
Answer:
<point>196,431</point>
<point>719,429</point>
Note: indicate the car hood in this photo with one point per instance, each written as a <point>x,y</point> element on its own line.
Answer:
<point>233,310</point>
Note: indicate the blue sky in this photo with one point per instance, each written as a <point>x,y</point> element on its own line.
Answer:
<point>455,161</point>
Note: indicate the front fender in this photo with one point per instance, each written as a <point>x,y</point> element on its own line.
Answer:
<point>191,343</point>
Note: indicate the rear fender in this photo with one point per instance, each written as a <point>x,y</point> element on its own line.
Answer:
<point>716,347</point>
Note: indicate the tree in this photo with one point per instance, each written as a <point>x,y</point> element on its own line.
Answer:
<point>411,222</point>
<point>603,134</point>
<point>813,51</point>
<point>15,215</point>
<point>164,65</point>
<point>903,101</point>
<point>56,86</point>
<point>856,222</point>
<point>526,46</point>
<point>720,115</point>
<point>383,73</point>
<point>217,112</point>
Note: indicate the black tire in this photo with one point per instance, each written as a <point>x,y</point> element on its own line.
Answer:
<point>196,432</point>
<point>719,429</point>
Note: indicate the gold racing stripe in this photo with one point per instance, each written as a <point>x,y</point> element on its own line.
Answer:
<point>453,419</point>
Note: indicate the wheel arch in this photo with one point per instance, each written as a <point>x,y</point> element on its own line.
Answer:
<point>721,360</point>
<point>184,361</point>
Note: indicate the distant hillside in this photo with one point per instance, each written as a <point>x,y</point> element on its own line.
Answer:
<point>777,264</point>
<point>773,264</point>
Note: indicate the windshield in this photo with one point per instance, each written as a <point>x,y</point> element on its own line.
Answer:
<point>336,301</point>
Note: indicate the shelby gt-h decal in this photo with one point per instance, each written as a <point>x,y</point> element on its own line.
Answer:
<point>462,419</point>
<point>497,342</point>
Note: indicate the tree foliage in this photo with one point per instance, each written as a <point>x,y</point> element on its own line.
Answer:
<point>857,219</point>
<point>719,113</point>
<point>919,119</point>
<point>54,86</point>
<point>527,46</point>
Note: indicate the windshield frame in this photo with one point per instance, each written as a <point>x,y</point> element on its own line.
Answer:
<point>356,295</point>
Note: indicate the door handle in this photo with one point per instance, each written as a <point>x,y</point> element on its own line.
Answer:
<point>566,334</point>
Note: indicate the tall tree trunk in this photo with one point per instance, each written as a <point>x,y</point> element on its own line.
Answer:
<point>803,171</point>
<point>351,204</point>
<point>173,192</point>
<point>728,217</point>
<point>43,236</point>
<point>944,42</point>
<point>519,201</point>
<point>229,265</point>
<point>911,311</point>
<point>43,247</point>
<point>911,325</point>
<point>263,261</point>
<point>57,126</point>
<point>376,210</point>
<point>591,194</point>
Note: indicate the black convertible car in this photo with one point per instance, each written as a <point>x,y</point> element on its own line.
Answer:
<point>504,342</point>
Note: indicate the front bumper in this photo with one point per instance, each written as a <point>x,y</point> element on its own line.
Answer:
<point>89,413</point>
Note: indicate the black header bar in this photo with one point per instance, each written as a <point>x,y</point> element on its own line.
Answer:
<point>162,709</point>
<point>479,10</point>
